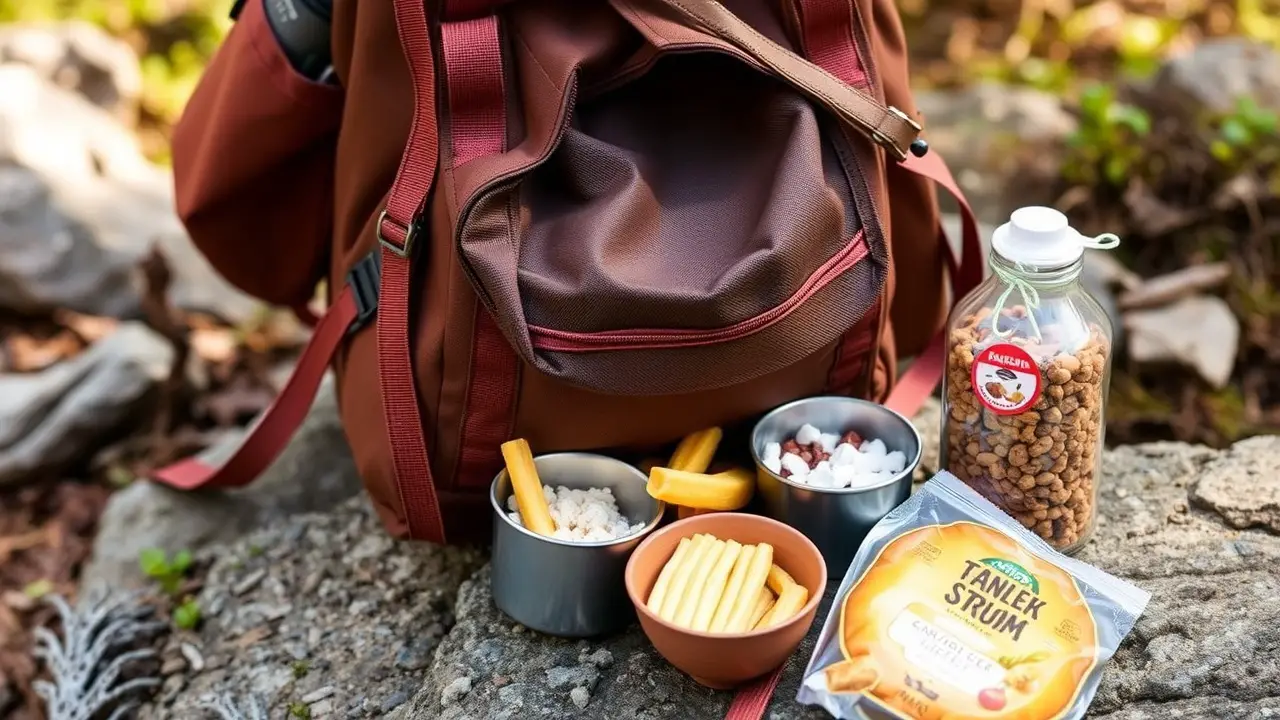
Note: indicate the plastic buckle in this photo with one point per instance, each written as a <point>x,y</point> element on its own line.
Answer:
<point>401,250</point>
<point>365,279</point>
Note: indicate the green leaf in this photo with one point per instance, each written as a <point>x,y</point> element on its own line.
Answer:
<point>1235,132</point>
<point>1116,169</point>
<point>38,589</point>
<point>1095,99</point>
<point>1221,151</point>
<point>187,615</point>
<point>182,562</point>
<point>153,562</point>
<point>1131,117</point>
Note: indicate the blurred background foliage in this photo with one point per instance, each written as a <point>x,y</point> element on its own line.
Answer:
<point>1048,44</point>
<point>173,38</point>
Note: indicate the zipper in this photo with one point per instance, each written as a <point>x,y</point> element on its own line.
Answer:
<point>652,339</point>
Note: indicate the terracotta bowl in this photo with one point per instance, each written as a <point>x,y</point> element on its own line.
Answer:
<point>726,660</point>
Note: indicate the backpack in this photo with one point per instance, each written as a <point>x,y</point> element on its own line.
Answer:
<point>612,224</point>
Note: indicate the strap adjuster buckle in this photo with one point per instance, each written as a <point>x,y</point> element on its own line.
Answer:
<point>364,278</point>
<point>918,147</point>
<point>410,231</point>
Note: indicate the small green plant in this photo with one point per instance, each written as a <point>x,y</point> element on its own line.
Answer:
<point>1107,146</point>
<point>168,572</point>
<point>187,614</point>
<point>255,551</point>
<point>299,710</point>
<point>300,669</point>
<point>38,589</point>
<point>1244,133</point>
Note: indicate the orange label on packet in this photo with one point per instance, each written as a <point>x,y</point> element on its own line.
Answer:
<point>959,622</point>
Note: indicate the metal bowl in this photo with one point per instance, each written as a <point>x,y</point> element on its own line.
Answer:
<point>563,588</point>
<point>836,521</point>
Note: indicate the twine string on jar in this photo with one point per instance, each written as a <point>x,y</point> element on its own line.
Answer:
<point>1019,278</point>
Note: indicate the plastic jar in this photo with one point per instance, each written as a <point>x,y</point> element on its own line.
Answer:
<point>1028,368</point>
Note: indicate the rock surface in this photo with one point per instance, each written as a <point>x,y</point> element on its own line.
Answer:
<point>1199,332</point>
<point>80,57</point>
<point>391,643</point>
<point>1004,144</point>
<point>38,245</point>
<point>1216,73</point>
<point>314,473</point>
<point>98,181</point>
<point>323,612</point>
<point>57,416</point>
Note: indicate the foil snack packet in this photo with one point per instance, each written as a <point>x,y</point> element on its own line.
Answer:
<point>952,609</point>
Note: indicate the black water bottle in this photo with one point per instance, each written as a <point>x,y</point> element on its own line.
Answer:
<point>302,29</point>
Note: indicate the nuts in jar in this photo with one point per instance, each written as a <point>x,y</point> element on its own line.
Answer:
<point>1024,422</point>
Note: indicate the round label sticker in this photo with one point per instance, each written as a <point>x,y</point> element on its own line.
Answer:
<point>1005,379</point>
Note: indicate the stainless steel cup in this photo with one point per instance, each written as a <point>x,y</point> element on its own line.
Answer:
<point>569,589</point>
<point>835,520</point>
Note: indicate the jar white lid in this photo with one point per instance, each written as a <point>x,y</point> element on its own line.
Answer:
<point>1038,236</point>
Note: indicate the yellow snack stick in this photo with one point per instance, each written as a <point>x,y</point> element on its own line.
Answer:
<point>715,588</point>
<point>732,590</point>
<point>762,608</point>
<point>695,451</point>
<point>778,579</point>
<point>746,602</point>
<point>668,571</point>
<point>698,583</point>
<point>527,487</point>
<point>728,490</point>
<point>683,573</point>
<point>792,598</point>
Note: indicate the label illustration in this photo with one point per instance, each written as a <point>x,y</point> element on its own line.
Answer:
<point>982,631</point>
<point>1006,379</point>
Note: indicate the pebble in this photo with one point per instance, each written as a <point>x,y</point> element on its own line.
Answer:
<point>317,695</point>
<point>580,697</point>
<point>324,708</point>
<point>393,701</point>
<point>172,666</point>
<point>195,660</point>
<point>249,582</point>
<point>455,690</point>
<point>601,658</point>
<point>416,653</point>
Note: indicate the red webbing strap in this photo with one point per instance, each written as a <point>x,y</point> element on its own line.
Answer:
<point>918,382</point>
<point>396,231</point>
<point>478,122</point>
<point>826,34</point>
<point>826,37</point>
<point>264,441</point>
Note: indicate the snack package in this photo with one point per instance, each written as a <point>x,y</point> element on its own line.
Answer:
<point>951,609</point>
